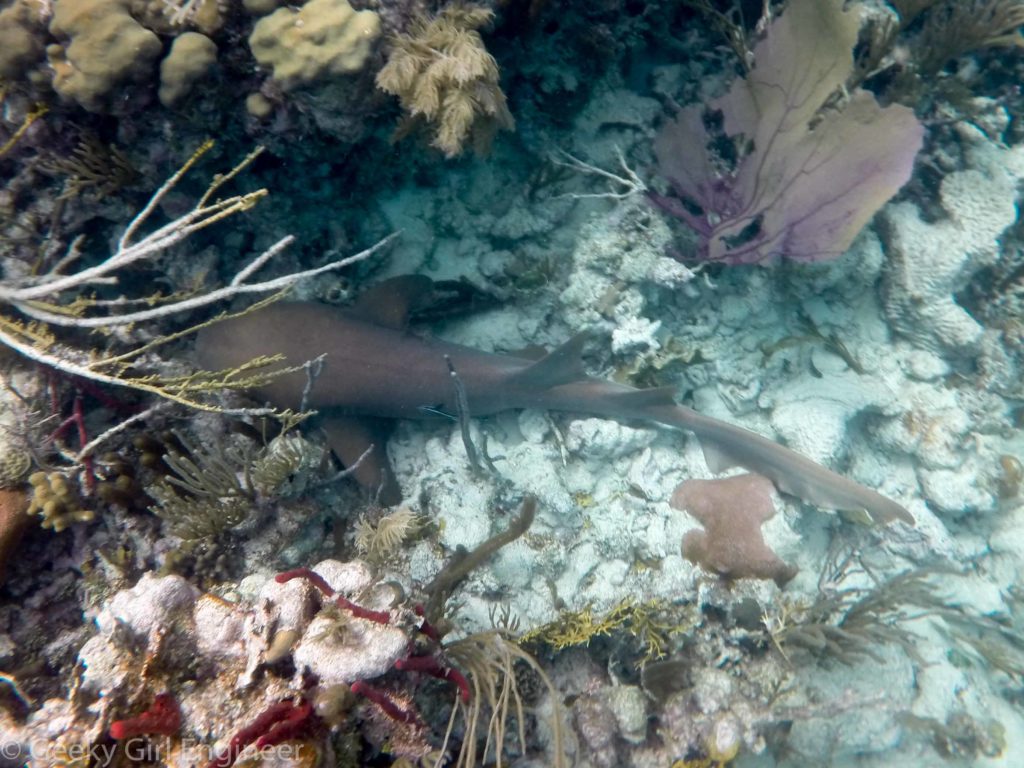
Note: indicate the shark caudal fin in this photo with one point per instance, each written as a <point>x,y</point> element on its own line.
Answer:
<point>798,476</point>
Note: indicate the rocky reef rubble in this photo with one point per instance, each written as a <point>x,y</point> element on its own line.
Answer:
<point>194,678</point>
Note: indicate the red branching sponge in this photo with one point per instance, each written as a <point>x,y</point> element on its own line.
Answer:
<point>296,722</point>
<point>162,718</point>
<point>426,627</point>
<point>279,722</point>
<point>311,576</point>
<point>380,617</point>
<point>318,581</point>
<point>382,700</point>
<point>430,665</point>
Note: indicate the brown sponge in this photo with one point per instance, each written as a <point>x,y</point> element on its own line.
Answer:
<point>731,509</point>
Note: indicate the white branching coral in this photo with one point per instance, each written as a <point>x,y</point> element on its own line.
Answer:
<point>57,299</point>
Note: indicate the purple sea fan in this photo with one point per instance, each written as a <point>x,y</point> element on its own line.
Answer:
<point>805,179</point>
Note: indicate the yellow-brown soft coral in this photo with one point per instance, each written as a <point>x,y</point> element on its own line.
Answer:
<point>56,500</point>
<point>443,76</point>
<point>21,39</point>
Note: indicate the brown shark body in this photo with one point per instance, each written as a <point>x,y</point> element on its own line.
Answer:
<point>375,370</point>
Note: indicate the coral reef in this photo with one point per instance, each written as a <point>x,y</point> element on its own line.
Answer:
<point>164,635</point>
<point>465,629</point>
<point>929,262</point>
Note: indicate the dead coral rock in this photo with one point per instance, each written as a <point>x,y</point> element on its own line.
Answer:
<point>338,647</point>
<point>732,510</point>
<point>153,617</point>
<point>597,728</point>
<point>357,650</point>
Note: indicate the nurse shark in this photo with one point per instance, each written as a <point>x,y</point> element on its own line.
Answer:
<point>375,370</point>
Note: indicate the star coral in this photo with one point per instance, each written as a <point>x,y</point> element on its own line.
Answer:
<point>323,39</point>
<point>103,47</point>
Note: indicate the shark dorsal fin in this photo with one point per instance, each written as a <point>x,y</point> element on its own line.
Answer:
<point>389,303</point>
<point>562,365</point>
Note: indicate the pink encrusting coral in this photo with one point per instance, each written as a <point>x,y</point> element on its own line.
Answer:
<point>805,179</point>
<point>732,510</point>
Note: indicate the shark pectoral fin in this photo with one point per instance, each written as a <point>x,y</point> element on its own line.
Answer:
<point>562,365</point>
<point>389,303</point>
<point>349,438</point>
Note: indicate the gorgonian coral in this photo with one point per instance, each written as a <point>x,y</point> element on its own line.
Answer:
<point>783,176</point>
